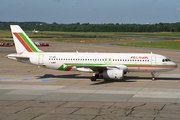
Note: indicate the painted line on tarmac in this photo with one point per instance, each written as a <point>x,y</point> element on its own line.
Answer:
<point>25,79</point>
<point>46,79</point>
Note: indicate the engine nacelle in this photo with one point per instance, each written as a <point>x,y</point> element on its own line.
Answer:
<point>113,74</point>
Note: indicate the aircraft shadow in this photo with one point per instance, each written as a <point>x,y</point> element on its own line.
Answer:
<point>131,79</point>
<point>149,78</point>
<point>62,76</point>
<point>104,81</point>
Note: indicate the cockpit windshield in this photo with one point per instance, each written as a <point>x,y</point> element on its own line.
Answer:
<point>166,60</point>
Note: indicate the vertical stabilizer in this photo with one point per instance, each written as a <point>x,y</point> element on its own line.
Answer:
<point>22,42</point>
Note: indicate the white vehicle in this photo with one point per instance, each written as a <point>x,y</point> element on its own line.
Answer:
<point>102,65</point>
<point>35,31</point>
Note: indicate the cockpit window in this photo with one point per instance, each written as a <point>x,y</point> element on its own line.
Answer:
<point>166,60</point>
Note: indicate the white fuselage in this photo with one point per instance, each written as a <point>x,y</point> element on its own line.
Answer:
<point>103,65</point>
<point>129,62</point>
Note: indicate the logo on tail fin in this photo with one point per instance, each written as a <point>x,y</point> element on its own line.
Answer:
<point>25,42</point>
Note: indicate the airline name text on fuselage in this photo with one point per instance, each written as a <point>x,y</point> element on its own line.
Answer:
<point>139,57</point>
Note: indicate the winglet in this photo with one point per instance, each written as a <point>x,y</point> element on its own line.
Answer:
<point>22,42</point>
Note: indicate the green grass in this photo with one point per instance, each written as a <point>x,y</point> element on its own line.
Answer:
<point>6,41</point>
<point>49,35</point>
<point>154,44</point>
<point>7,34</point>
<point>161,34</point>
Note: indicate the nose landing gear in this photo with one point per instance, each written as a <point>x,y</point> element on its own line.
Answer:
<point>152,73</point>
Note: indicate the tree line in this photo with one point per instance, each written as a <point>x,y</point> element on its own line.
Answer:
<point>86,27</point>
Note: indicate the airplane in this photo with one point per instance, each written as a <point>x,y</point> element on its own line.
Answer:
<point>102,65</point>
<point>35,31</point>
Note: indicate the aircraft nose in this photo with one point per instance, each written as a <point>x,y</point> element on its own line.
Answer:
<point>175,65</point>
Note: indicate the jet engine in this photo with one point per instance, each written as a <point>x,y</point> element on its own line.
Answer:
<point>113,74</point>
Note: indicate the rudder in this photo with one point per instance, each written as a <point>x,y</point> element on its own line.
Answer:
<point>22,42</point>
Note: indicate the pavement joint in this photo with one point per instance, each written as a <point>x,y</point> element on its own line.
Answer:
<point>75,111</point>
<point>14,103</point>
<point>133,108</point>
<point>37,116</point>
<point>23,109</point>
<point>163,106</point>
<point>177,99</point>
<point>61,104</point>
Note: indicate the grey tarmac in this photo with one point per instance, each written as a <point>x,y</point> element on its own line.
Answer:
<point>29,92</point>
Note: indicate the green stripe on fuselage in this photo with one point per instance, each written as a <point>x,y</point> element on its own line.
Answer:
<point>90,64</point>
<point>137,65</point>
<point>145,65</point>
<point>83,64</point>
<point>61,67</point>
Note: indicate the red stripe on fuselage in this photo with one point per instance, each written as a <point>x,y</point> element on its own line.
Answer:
<point>155,66</point>
<point>22,42</point>
<point>68,69</point>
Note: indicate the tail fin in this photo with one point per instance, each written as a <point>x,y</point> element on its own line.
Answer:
<point>22,42</point>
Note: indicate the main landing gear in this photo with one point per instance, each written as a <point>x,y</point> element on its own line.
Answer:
<point>152,73</point>
<point>95,76</point>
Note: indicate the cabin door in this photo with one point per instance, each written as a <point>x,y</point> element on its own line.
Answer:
<point>41,59</point>
<point>153,60</point>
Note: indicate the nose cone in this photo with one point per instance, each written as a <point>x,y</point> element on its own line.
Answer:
<point>174,65</point>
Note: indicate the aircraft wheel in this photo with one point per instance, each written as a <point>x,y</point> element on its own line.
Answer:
<point>153,78</point>
<point>93,78</point>
<point>152,73</point>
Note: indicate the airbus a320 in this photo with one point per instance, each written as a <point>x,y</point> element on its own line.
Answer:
<point>102,65</point>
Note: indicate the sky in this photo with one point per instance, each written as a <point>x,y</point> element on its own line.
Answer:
<point>91,11</point>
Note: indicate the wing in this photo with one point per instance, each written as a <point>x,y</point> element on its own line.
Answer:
<point>99,68</point>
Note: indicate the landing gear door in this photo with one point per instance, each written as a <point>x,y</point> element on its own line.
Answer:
<point>153,60</point>
<point>41,59</point>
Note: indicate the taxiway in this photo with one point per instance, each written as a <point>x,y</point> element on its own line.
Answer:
<point>29,92</point>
